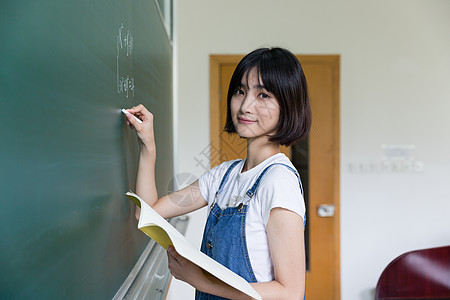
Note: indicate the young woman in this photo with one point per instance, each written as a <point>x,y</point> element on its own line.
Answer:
<point>255,225</point>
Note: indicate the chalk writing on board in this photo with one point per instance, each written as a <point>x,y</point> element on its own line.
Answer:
<point>125,80</point>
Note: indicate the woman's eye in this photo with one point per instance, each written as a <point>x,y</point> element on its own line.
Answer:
<point>264,95</point>
<point>239,92</point>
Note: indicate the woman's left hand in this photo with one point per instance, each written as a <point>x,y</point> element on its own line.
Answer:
<point>184,270</point>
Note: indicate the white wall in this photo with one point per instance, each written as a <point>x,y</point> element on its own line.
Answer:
<point>395,90</point>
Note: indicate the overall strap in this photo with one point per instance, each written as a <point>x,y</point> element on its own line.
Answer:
<point>251,192</point>
<point>225,177</point>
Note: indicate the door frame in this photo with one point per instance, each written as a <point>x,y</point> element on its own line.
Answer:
<point>216,62</point>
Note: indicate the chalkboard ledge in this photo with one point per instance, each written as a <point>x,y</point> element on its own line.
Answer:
<point>150,277</point>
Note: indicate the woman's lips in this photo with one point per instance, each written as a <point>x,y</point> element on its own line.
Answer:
<point>245,121</point>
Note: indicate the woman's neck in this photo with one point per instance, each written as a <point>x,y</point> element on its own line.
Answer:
<point>258,150</point>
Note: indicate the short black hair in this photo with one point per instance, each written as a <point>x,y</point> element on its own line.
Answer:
<point>282,75</point>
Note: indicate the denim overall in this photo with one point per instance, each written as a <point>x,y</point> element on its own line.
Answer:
<point>224,236</point>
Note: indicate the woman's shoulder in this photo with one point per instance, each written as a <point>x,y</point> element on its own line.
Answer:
<point>219,170</point>
<point>280,187</point>
<point>280,171</point>
<point>280,165</point>
<point>226,165</point>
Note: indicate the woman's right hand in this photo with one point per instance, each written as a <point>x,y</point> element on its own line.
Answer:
<point>144,130</point>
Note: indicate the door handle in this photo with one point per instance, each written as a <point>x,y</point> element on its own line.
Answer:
<point>326,210</point>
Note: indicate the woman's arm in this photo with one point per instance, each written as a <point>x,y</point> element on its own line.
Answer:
<point>285,233</point>
<point>175,204</point>
<point>286,241</point>
<point>181,202</point>
<point>145,181</point>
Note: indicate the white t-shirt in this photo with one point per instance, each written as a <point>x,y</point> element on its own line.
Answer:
<point>279,187</point>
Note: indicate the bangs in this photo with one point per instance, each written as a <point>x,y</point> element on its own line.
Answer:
<point>264,71</point>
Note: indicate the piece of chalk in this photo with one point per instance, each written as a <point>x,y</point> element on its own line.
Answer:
<point>127,113</point>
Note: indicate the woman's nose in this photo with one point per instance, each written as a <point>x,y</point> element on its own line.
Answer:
<point>247,104</point>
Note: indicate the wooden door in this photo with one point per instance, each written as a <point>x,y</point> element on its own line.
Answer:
<point>322,178</point>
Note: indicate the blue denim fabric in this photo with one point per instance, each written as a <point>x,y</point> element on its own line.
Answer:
<point>224,241</point>
<point>224,236</point>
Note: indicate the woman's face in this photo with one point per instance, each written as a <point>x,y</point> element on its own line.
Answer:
<point>254,110</point>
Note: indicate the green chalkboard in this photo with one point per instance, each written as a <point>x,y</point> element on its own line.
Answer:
<point>66,155</point>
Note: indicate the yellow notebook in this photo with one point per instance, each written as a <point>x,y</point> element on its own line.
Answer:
<point>157,228</point>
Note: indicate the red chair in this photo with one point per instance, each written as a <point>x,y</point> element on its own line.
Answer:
<point>421,274</point>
